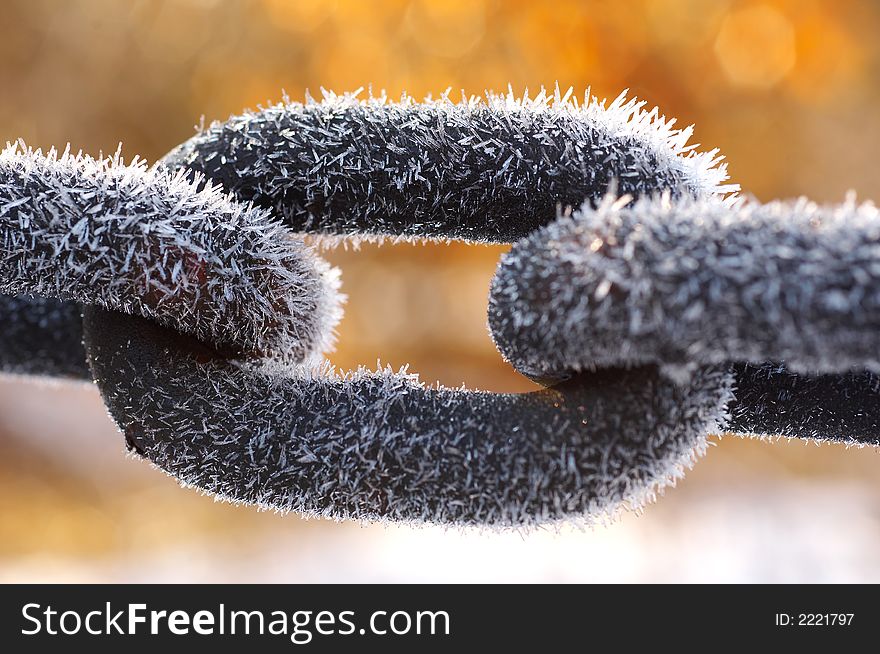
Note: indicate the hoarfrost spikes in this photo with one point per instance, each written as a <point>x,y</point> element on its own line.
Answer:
<point>481,169</point>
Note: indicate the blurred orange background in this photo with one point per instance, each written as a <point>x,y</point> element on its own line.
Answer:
<point>786,89</point>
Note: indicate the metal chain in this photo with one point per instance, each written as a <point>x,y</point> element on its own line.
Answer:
<point>650,315</point>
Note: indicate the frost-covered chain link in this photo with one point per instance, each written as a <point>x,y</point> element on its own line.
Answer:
<point>148,242</point>
<point>643,312</point>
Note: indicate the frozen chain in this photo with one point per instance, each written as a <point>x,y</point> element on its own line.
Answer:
<point>653,319</point>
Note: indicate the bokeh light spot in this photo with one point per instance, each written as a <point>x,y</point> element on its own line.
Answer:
<point>449,28</point>
<point>299,16</point>
<point>756,47</point>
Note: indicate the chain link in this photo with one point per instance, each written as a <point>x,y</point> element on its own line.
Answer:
<point>650,318</point>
